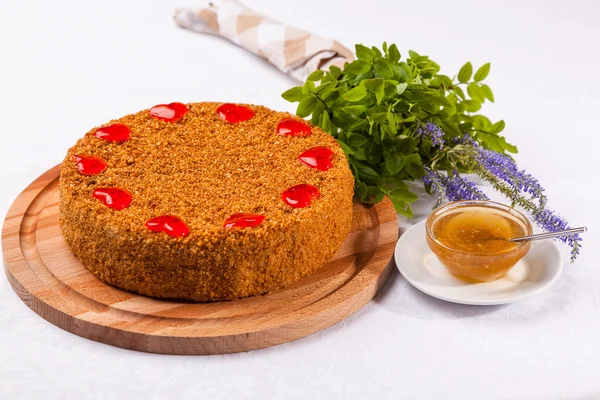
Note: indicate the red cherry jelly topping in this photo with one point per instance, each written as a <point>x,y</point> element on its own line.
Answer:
<point>89,165</point>
<point>114,133</point>
<point>168,224</point>
<point>234,113</point>
<point>169,112</point>
<point>317,157</point>
<point>300,196</point>
<point>243,220</point>
<point>115,198</point>
<point>293,127</point>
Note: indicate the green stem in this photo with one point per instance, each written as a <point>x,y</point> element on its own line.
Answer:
<point>323,102</point>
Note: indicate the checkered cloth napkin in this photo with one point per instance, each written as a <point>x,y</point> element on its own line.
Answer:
<point>294,51</point>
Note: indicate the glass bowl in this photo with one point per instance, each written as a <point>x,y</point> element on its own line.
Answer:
<point>475,265</point>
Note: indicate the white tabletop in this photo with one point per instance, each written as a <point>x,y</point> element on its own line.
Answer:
<point>66,66</point>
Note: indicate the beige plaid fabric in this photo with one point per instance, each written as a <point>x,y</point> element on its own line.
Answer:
<point>294,51</point>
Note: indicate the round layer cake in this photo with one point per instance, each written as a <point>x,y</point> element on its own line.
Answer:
<point>205,201</point>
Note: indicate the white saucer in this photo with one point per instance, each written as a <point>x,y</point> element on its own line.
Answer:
<point>535,273</point>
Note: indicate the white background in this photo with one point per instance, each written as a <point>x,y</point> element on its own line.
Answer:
<point>66,66</point>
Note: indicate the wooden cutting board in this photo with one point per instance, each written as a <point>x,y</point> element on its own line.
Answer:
<point>51,281</point>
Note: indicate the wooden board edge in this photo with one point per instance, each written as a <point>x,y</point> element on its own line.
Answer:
<point>153,343</point>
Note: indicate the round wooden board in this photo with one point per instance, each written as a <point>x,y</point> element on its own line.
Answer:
<point>51,281</point>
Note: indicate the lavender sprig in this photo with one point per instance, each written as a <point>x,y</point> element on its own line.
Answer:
<point>453,187</point>
<point>502,172</point>
<point>541,215</point>
<point>551,222</point>
<point>504,168</point>
<point>434,185</point>
<point>433,132</point>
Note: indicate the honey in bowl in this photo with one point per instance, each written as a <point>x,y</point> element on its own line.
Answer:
<point>469,238</point>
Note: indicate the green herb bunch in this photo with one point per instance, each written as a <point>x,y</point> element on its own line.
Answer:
<point>376,108</point>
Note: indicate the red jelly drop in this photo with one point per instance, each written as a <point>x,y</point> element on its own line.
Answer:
<point>234,113</point>
<point>115,198</point>
<point>300,196</point>
<point>243,220</point>
<point>114,133</point>
<point>293,127</point>
<point>317,157</point>
<point>89,165</point>
<point>169,112</point>
<point>168,224</point>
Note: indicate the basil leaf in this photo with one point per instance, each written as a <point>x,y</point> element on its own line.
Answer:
<point>325,122</point>
<point>335,72</point>
<point>487,92</point>
<point>475,92</point>
<point>344,147</point>
<point>315,118</point>
<point>361,190</point>
<point>394,163</point>
<point>490,141</point>
<point>414,166</point>
<point>404,195</point>
<point>364,53</point>
<point>354,110</point>
<point>361,123</point>
<point>306,106</point>
<point>507,146</point>
<point>309,87</point>
<point>406,145</point>
<point>459,92</point>
<point>402,208</point>
<point>374,85</point>
<point>358,67</point>
<point>401,88</point>
<point>368,174</point>
<point>293,95</point>
<point>356,94</point>
<point>465,73</point>
<point>482,72</point>
<point>374,195</point>
<point>360,154</point>
<point>472,105</point>
<point>356,140</point>
<point>316,75</point>
<point>373,153</point>
<point>383,68</point>
<point>482,123</point>
<point>393,53</point>
<point>326,89</point>
<point>498,127</point>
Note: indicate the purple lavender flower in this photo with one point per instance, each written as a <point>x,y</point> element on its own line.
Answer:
<point>454,187</point>
<point>433,132</point>
<point>506,177</point>
<point>434,185</point>
<point>551,222</point>
<point>459,188</point>
<point>465,139</point>
<point>430,178</point>
<point>504,168</point>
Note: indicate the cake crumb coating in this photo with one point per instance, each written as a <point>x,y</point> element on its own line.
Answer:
<point>202,170</point>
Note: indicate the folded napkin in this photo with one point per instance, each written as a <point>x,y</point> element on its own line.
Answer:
<point>294,51</point>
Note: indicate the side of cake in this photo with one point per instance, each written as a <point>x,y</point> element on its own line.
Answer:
<point>205,201</point>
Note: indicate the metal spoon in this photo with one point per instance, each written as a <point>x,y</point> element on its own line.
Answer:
<point>549,235</point>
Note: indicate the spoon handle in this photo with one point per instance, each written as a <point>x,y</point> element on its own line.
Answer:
<point>549,235</point>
